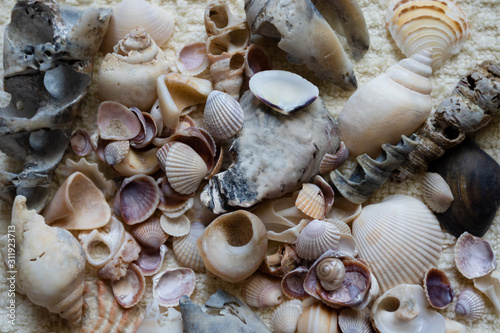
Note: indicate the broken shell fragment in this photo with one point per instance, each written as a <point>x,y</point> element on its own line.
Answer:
<point>151,260</point>
<point>285,92</point>
<point>149,233</point>
<point>185,248</point>
<point>130,288</point>
<point>470,304</point>
<point>156,322</point>
<point>223,116</point>
<point>436,192</point>
<point>227,69</point>
<point>218,17</point>
<point>292,283</point>
<point>256,60</point>
<point>280,262</point>
<point>438,288</point>
<point>117,266</point>
<point>490,286</point>
<point>170,285</point>
<point>261,291</point>
<point>137,198</point>
<point>285,317</point>
<point>330,162</point>
<point>317,237</point>
<point>192,59</point>
<point>311,201</point>
<point>474,256</point>
<point>138,162</point>
<point>115,121</point>
<point>317,318</point>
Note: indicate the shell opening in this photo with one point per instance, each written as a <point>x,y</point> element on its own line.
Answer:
<point>219,18</point>
<point>237,61</point>
<point>238,231</point>
<point>390,304</point>
<point>98,250</point>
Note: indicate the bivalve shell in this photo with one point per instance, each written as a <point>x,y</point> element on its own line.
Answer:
<point>80,142</point>
<point>149,233</point>
<point>311,201</point>
<point>470,304</point>
<point>137,199</point>
<point>175,226</point>
<point>116,151</point>
<point>192,59</point>
<point>170,285</point>
<point>474,256</point>
<point>354,321</point>
<point>330,162</point>
<point>317,237</point>
<point>438,288</point>
<point>436,192</point>
<point>292,283</point>
<point>150,260</point>
<point>223,116</point>
<point>318,318</point>
<point>185,248</point>
<point>129,289</point>
<point>285,317</point>
<point>261,291</point>
<point>117,122</point>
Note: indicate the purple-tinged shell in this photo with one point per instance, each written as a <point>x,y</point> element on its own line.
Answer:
<point>438,288</point>
<point>470,304</point>
<point>170,285</point>
<point>129,289</point>
<point>474,256</point>
<point>149,233</point>
<point>137,198</point>
<point>80,142</point>
<point>150,260</point>
<point>292,283</point>
<point>117,122</point>
<point>331,162</point>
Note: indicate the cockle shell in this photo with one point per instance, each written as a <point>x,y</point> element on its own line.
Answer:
<point>223,116</point>
<point>175,226</point>
<point>129,14</point>
<point>474,256</point>
<point>234,245</point>
<point>170,285</point>
<point>78,205</point>
<point>218,17</point>
<point>149,233</point>
<point>438,289</point>
<point>192,59</point>
<point>317,237</point>
<point>311,201</point>
<point>390,232</point>
<point>185,248</point>
<point>417,25</point>
<point>401,97</point>
<point>50,263</point>
<point>115,152</point>
<point>130,288</point>
<point>285,317</point>
<point>261,291</point>
<point>137,198</point>
<point>436,193</point>
<point>330,162</point>
<point>151,260</point>
<point>354,321</point>
<point>317,318</point>
<point>470,304</point>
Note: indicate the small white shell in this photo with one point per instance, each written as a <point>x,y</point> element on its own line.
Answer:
<point>261,291</point>
<point>223,116</point>
<point>354,321</point>
<point>436,192</point>
<point>285,317</point>
<point>470,304</point>
<point>129,289</point>
<point>170,285</point>
<point>175,226</point>
<point>311,201</point>
<point>317,237</point>
<point>283,91</point>
<point>185,248</point>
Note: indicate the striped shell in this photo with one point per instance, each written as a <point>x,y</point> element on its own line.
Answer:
<point>223,115</point>
<point>400,238</point>
<point>354,321</point>
<point>115,152</point>
<point>342,226</point>
<point>261,291</point>
<point>331,162</point>
<point>149,233</point>
<point>436,192</point>
<point>317,237</point>
<point>137,199</point>
<point>317,318</point>
<point>311,201</point>
<point>285,317</point>
<point>185,248</point>
<point>129,289</point>
<point>470,304</point>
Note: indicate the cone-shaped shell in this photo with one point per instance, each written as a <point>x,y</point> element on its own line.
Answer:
<point>129,289</point>
<point>317,318</point>
<point>137,198</point>
<point>261,291</point>
<point>438,288</point>
<point>78,205</point>
<point>317,237</point>
<point>185,248</point>
<point>117,122</point>
<point>149,233</point>
<point>354,321</point>
<point>223,116</point>
<point>470,304</point>
<point>474,256</point>
<point>436,192</point>
<point>394,103</point>
<point>285,317</point>
<point>170,285</point>
<point>311,201</point>
<point>400,238</point>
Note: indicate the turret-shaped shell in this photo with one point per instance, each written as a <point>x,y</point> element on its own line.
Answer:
<point>394,103</point>
<point>50,263</point>
<point>436,192</point>
<point>262,291</point>
<point>470,304</point>
<point>417,25</point>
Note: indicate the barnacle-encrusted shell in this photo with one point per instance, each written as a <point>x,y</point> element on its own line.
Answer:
<point>285,92</point>
<point>354,321</point>
<point>185,248</point>
<point>317,237</point>
<point>262,291</point>
<point>223,116</point>
<point>192,59</point>
<point>474,256</point>
<point>285,317</point>
<point>234,245</point>
<point>137,199</point>
<point>311,201</point>
<point>170,285</point>
<point>436,192</point>
<point>390,232</point>
<point>317,318</point>
<point>130,288</point>
<point>438,288</point>
<point>417,25</point>
<point>149,233</point>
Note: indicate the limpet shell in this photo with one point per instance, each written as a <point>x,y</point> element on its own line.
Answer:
<point>470,304</point>
<point>185,248</point>
<point>223,115</point>
<point>129,289</point>
<point>436,193</point>
<point>474,256</point>
<point>170,285</point>
<point>317,237</point>
<point>285,317</point>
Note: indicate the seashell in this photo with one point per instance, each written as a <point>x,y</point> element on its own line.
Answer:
<point>185,248</point>
<point>317,237</point>
<point>223,116</point>
<point>170,285</point>
<point>177,92</point>
<point>438,288</point>
<point>490,286</point>
<point>354,321</point>
<point>292,283</point>
<point>388,99</point>
<point>156,322</point>
<point>116,151</point>
<point>101,245</point>
<point>436,192</point>
<point>218,17</point>
<point>261,291</point>
<point>311,201</point>
<point>452,326</point>
<point>256,60</point>
<point>150,260</point>
<point>149,233</point>
<point>341,226</point>
<point>317,318</point>
<point>46,254</point>
<point>344,211</point>
<point>232,39</point>
<point>234,245</point>
<point>327,192</point>
<point>226,71</point>
<point>418,25</point>
<point>405,309</point>
<point>80,142</point>
<point>403,228</point>
<point>129,289</point>
<point>474,180</point>
<point>300,38</point>
<point>285,92</point>
<point>330,162</point>
<point>192,59</point>
<point>77,205</point>
<point>470,304</point>
<point>331,273</point>
<point>116,122</point>
<point>148,132</point>
<point>280,260</point>
<point>138,162</point>
<point>137,198</point>
<point>199,140</point>
<point>474,256</point>
<point>117,266</point>
<point>175,226</point>
<point>129,14</point>
<point>285,317</point>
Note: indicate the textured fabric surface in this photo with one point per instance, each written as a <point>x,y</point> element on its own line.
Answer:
<point>483,44</point>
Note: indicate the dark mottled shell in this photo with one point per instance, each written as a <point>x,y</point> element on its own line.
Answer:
<point>474,179</point>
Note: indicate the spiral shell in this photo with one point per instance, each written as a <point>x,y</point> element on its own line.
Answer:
<point>470,304</point>
<point>436,192</point>
<point>331,273</point>
<point>223,115</point>
<point>285,317</point>
<point>261,291</point>
<point>317,237</point>
<point>185,248</point>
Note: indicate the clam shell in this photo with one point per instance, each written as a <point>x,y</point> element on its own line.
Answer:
<point>317,237</point>
<point>470,304</point>
<point>438,288</point>
<point>256,60</point>
<point>116,122</point>
<point>129,289</point>
<point>175,226</point>
<point>285,317</point>
<point>285,92</point>
<point>151,260</point>
<point>436,192</point>
<point>148,132</point>
<point>185,248</point>
<point>223,116</point>
<point>149,233</point>
<point>192,59</point>
<point>474,256</point>
<point>311,201</point>
<point>80,142</point>
<point>261,291</point>
<point>170,285</point>
<point>137,198</point>
<point>116,151</point>
<point>292,283</point>
<point>317,318</point>
<point>400,238</point>
<point>354,321</point>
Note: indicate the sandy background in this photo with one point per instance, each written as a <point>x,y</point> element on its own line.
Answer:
<point>483,44</point>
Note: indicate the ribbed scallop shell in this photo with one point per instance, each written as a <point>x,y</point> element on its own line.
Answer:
<point>342,226</point>
<point>137,198</point>
<point>400,238</point>
<point>317,318</point>
<point>223,116</point>
<point>261,291</point>
<point>416,25</point>
<point>470,304</point>
<point>129,289</point>
<point>354,321</point>
<point>317,237</point>
<point>331,162</point>
<point>149,233</point>
<point>115,152</point>
<point>175,226</point>
<point>285,317</point>
<point>436,192</point>
<point>185,248</point>
<point>311,201</point>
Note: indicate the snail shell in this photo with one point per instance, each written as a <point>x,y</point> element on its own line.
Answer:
<point>331,273</point>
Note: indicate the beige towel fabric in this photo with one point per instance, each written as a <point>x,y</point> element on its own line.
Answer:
<point>483,44</point>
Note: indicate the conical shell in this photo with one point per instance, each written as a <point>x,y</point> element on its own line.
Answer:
<point>185,248</point>
<point>311,201</point>
<point>417,25</point>
<point>318,318</point>
<point>400,238</point>
<point>470,304</point>
<point>261,291</point>
<point>137,199</point>
<point>354,321</point>
<point>317,237</point>
<point>436,192</point>
<point>223,116</point>
<point>285,317</point>
<point>149,233</point>
<point>129,289</point>
<point>474,256</point>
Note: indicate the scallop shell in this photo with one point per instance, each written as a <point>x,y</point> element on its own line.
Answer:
<point>292,283</point>
<point>474,256</point>
<point>317,318</point>
<point>185,248</point>
<point>151,260</point>
<point>394,230</point>
<point>436,192</point>
<point>218,17</point>
<point>354,321</point>
<point>317,237</point>
<point>129,289</point>
<point>170,285</point>
<point>137,198</point>
<point>438,289</point>
<point>470,304</point>
<point>261,291</point>
<point>285,92</point>
<point>115,152</point>
<point>223,116</point>
<point>330,162</point>
<point>175,226</point>
<point>285,317</point>
<point>192,59</point>
<point>80,142</point>
<point>417,25</point>
<point>311,201</point>
<point>129,14</point>
<point>149,233</point>
<point>115,121</point>
<point>342,226</point>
